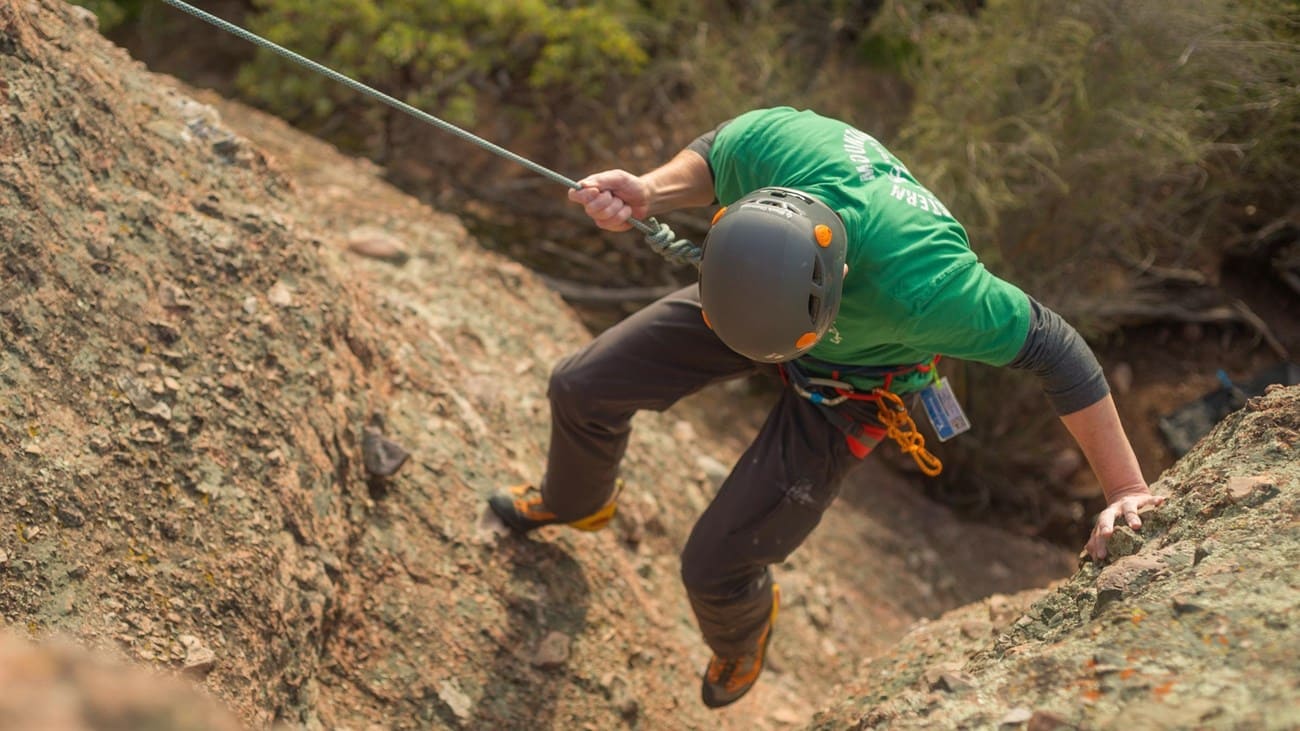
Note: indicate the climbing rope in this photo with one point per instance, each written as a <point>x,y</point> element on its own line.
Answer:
<point>900,427</point>
<point>658,235</point>
<point>666,244</point>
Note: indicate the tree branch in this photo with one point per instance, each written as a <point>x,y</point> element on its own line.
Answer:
<point>1140,313</point>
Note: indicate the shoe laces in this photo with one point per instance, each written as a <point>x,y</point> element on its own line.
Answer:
<point>722,669</point>
<point>527,504</point>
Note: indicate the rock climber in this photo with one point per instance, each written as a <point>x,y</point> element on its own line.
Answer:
<point>831,263</point>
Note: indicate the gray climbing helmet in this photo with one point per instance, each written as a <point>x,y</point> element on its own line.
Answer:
<point>771,273</point>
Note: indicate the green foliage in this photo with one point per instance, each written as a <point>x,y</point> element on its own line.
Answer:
<point>451,58</point>
<point>1072,137</point>
<point>714,60</point>
<point>888,51</point>
<point>112,13</point>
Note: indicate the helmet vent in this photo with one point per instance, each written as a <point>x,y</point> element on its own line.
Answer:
<point>817,273</point>
<point>776,193</point>
<point>814,307</point>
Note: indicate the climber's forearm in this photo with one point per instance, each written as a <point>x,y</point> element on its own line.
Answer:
<point>1099,433</point>
<point>683,182</point>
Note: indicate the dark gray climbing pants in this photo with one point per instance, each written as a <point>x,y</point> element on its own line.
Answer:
<point>774,496</point>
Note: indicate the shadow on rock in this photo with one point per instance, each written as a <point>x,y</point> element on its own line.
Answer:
<point>546,600</point>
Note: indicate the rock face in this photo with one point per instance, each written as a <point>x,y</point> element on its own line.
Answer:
<point>188,369</point>
<point>58,686</point>
<point>1193,623</point>
<point>252,399</point>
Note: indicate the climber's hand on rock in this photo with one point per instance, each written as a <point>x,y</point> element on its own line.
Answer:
<point>1123,507</point>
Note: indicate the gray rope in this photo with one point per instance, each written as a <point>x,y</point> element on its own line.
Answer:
<point>654,231</point>
<point>666,244</point>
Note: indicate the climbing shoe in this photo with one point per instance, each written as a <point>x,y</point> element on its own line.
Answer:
<point>523,510</point>
<point>727,679</point>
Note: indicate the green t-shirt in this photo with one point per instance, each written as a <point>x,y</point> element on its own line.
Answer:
<point>914,288</point>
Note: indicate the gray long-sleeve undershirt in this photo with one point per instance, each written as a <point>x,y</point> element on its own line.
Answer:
<point>1056,353</point>
<point>704,143</point>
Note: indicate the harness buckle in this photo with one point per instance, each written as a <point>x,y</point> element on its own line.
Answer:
<point>818,398</point>
<point>804,386</point>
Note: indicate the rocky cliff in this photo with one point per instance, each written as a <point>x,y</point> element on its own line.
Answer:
<point>1191,624</point>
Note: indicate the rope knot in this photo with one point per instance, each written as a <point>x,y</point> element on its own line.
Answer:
<point>666,244</point>
<point>900,427</point>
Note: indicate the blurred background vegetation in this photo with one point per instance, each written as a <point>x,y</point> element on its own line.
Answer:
<point>1115,158</point>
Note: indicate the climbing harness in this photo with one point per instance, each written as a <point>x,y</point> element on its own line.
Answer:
<point>890,409</point>
<point>658,235</point>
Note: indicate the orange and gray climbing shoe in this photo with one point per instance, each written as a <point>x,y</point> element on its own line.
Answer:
<point>727,679</point>
<point>523,510</point>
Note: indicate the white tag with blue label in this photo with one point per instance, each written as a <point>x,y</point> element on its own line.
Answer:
<point>945,413</point>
